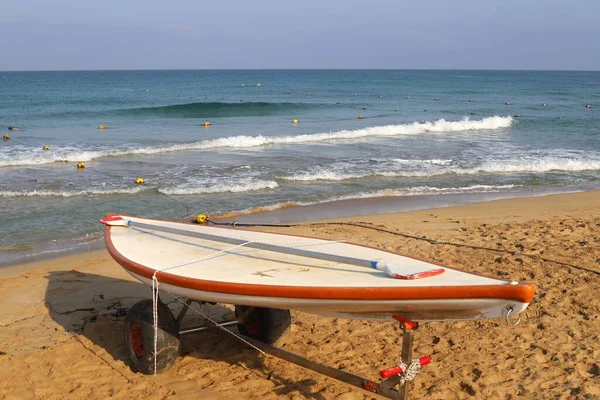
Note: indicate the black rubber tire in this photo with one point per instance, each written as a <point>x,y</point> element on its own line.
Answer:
<point>139,337</point>
<point>264,324</point>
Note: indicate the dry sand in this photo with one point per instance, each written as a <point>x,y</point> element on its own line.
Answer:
<point>61,321</point>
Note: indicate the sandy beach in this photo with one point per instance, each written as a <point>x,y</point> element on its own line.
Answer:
<point>61,320</point>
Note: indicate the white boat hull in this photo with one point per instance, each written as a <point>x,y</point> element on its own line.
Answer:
<point>186,263</point>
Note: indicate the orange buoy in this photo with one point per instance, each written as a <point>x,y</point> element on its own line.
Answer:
<point>6,137</point>
<point>206,124</point>
<point>100,127</point>
<point>360,117</point>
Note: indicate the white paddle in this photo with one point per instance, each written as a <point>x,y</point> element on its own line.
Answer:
<point>393,271</point>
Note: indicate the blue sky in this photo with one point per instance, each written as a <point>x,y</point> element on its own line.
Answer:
<point>188,34</point>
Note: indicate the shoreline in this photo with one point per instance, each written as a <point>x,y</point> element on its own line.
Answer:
<point>61,320</point>
<point>299,214</point>
<point>338,211</point>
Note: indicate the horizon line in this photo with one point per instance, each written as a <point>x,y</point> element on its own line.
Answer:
<point>301,69</point>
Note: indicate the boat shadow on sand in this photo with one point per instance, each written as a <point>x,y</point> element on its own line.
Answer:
<point>94,306</point>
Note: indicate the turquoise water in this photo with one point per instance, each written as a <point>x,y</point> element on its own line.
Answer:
<point>253,156</point>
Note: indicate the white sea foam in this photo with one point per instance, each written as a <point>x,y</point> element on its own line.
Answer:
<point>543,164</point>
<point>412,191</point>
<point>430,168</point>
<point>68,193</point>
<point>28,156</point>
<point>433,162</point>
<point>423,190</point>
<point>222,187</point>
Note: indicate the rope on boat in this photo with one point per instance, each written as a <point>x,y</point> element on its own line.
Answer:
<point>155,316</point>
<point>423,238</point>
<point>409,372</point>
<point>156,285</point>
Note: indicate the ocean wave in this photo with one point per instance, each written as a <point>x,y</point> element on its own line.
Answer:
<point>542,164</point>
<point>220,109</point>
<point>425,190</point>
<point>427,168</point>
<point>433,162</point>
<point>68,193</point>
<point>411,191</point>
<point>76,154</point>
<point>223,187</point>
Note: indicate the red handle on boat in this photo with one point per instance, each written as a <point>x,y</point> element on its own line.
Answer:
<point>386,373</point>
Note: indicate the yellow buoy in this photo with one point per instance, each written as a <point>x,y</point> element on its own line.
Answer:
<point>80,165</point>
<point>6,137</point>
<point>295,121</point>
<point>100,127</point>
<point>206,124</point>
<point>46,147</point>
<point>201,219</point>
<point>360,117</point>
<point>139,181</point>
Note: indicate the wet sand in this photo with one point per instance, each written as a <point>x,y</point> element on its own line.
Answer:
<point>61,320</point>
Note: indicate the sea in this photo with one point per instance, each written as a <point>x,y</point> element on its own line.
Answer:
<point>231,143</point>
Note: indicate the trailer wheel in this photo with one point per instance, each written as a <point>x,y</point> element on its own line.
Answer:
<point>264,324</point>
<point>139,337</point>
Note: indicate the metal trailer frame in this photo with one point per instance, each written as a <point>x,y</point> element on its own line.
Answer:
<point>386,388</point>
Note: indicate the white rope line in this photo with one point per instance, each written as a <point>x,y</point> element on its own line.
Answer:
<point>409,372</point>
<point>156,284</point>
